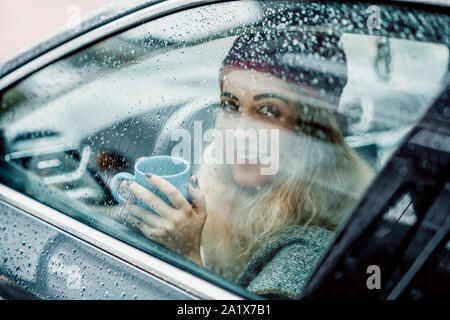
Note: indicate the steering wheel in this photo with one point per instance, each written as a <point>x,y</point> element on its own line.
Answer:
<point>188,122</point>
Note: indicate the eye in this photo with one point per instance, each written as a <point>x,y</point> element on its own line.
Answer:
<point>270,111</point>
<point>230,106</point>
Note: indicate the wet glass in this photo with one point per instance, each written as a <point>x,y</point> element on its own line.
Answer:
<point>285,112</point>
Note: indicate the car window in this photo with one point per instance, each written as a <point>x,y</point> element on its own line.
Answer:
<point>231,139</point>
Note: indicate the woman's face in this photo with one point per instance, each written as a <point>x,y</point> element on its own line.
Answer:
<point>260,110</point>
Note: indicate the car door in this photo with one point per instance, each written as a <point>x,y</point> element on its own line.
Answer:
<point>78,114</point>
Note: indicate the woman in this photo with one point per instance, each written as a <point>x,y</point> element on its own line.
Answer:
<point>266,231</point>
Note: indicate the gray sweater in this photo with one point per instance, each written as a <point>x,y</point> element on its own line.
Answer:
<point>281,267</point>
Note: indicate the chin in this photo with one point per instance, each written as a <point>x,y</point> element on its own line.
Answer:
<point>248,175</point>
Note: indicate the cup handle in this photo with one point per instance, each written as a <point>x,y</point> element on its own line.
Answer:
<point>115,185</point>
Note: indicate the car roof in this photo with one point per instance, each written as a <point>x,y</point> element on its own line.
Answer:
<point>116,10</point>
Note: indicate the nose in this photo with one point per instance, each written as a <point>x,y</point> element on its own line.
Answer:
<point>244,121</point>
<point>250,121</point>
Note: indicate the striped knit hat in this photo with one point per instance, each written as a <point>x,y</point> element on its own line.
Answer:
<point>313,60</point>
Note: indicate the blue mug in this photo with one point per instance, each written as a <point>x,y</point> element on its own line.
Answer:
<point>174,170</point>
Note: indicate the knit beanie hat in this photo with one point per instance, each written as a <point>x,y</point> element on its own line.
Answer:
<point>313,60</point>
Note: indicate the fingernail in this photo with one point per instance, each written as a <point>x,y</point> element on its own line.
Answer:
<point>194,182</point>
<point>148,175</point>
<point>125,184</point>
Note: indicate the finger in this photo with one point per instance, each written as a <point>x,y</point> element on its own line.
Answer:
<point>173,194</point>
<point>118,212</point>
<point>153,233</point>
<point>137,223</point>
<point>153,201</point>
<point>144,215</point>
<point>198,197</point>
<point>125,194</point>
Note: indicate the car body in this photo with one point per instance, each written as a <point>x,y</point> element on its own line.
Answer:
<point>53,255</point>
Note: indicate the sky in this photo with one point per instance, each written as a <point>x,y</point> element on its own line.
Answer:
<point>24,22</point>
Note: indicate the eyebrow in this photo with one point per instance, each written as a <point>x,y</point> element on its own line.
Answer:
<point>229,95</point>
<point>270,95</point>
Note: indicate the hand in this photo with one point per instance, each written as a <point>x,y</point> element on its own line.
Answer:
<point>178,227</point>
